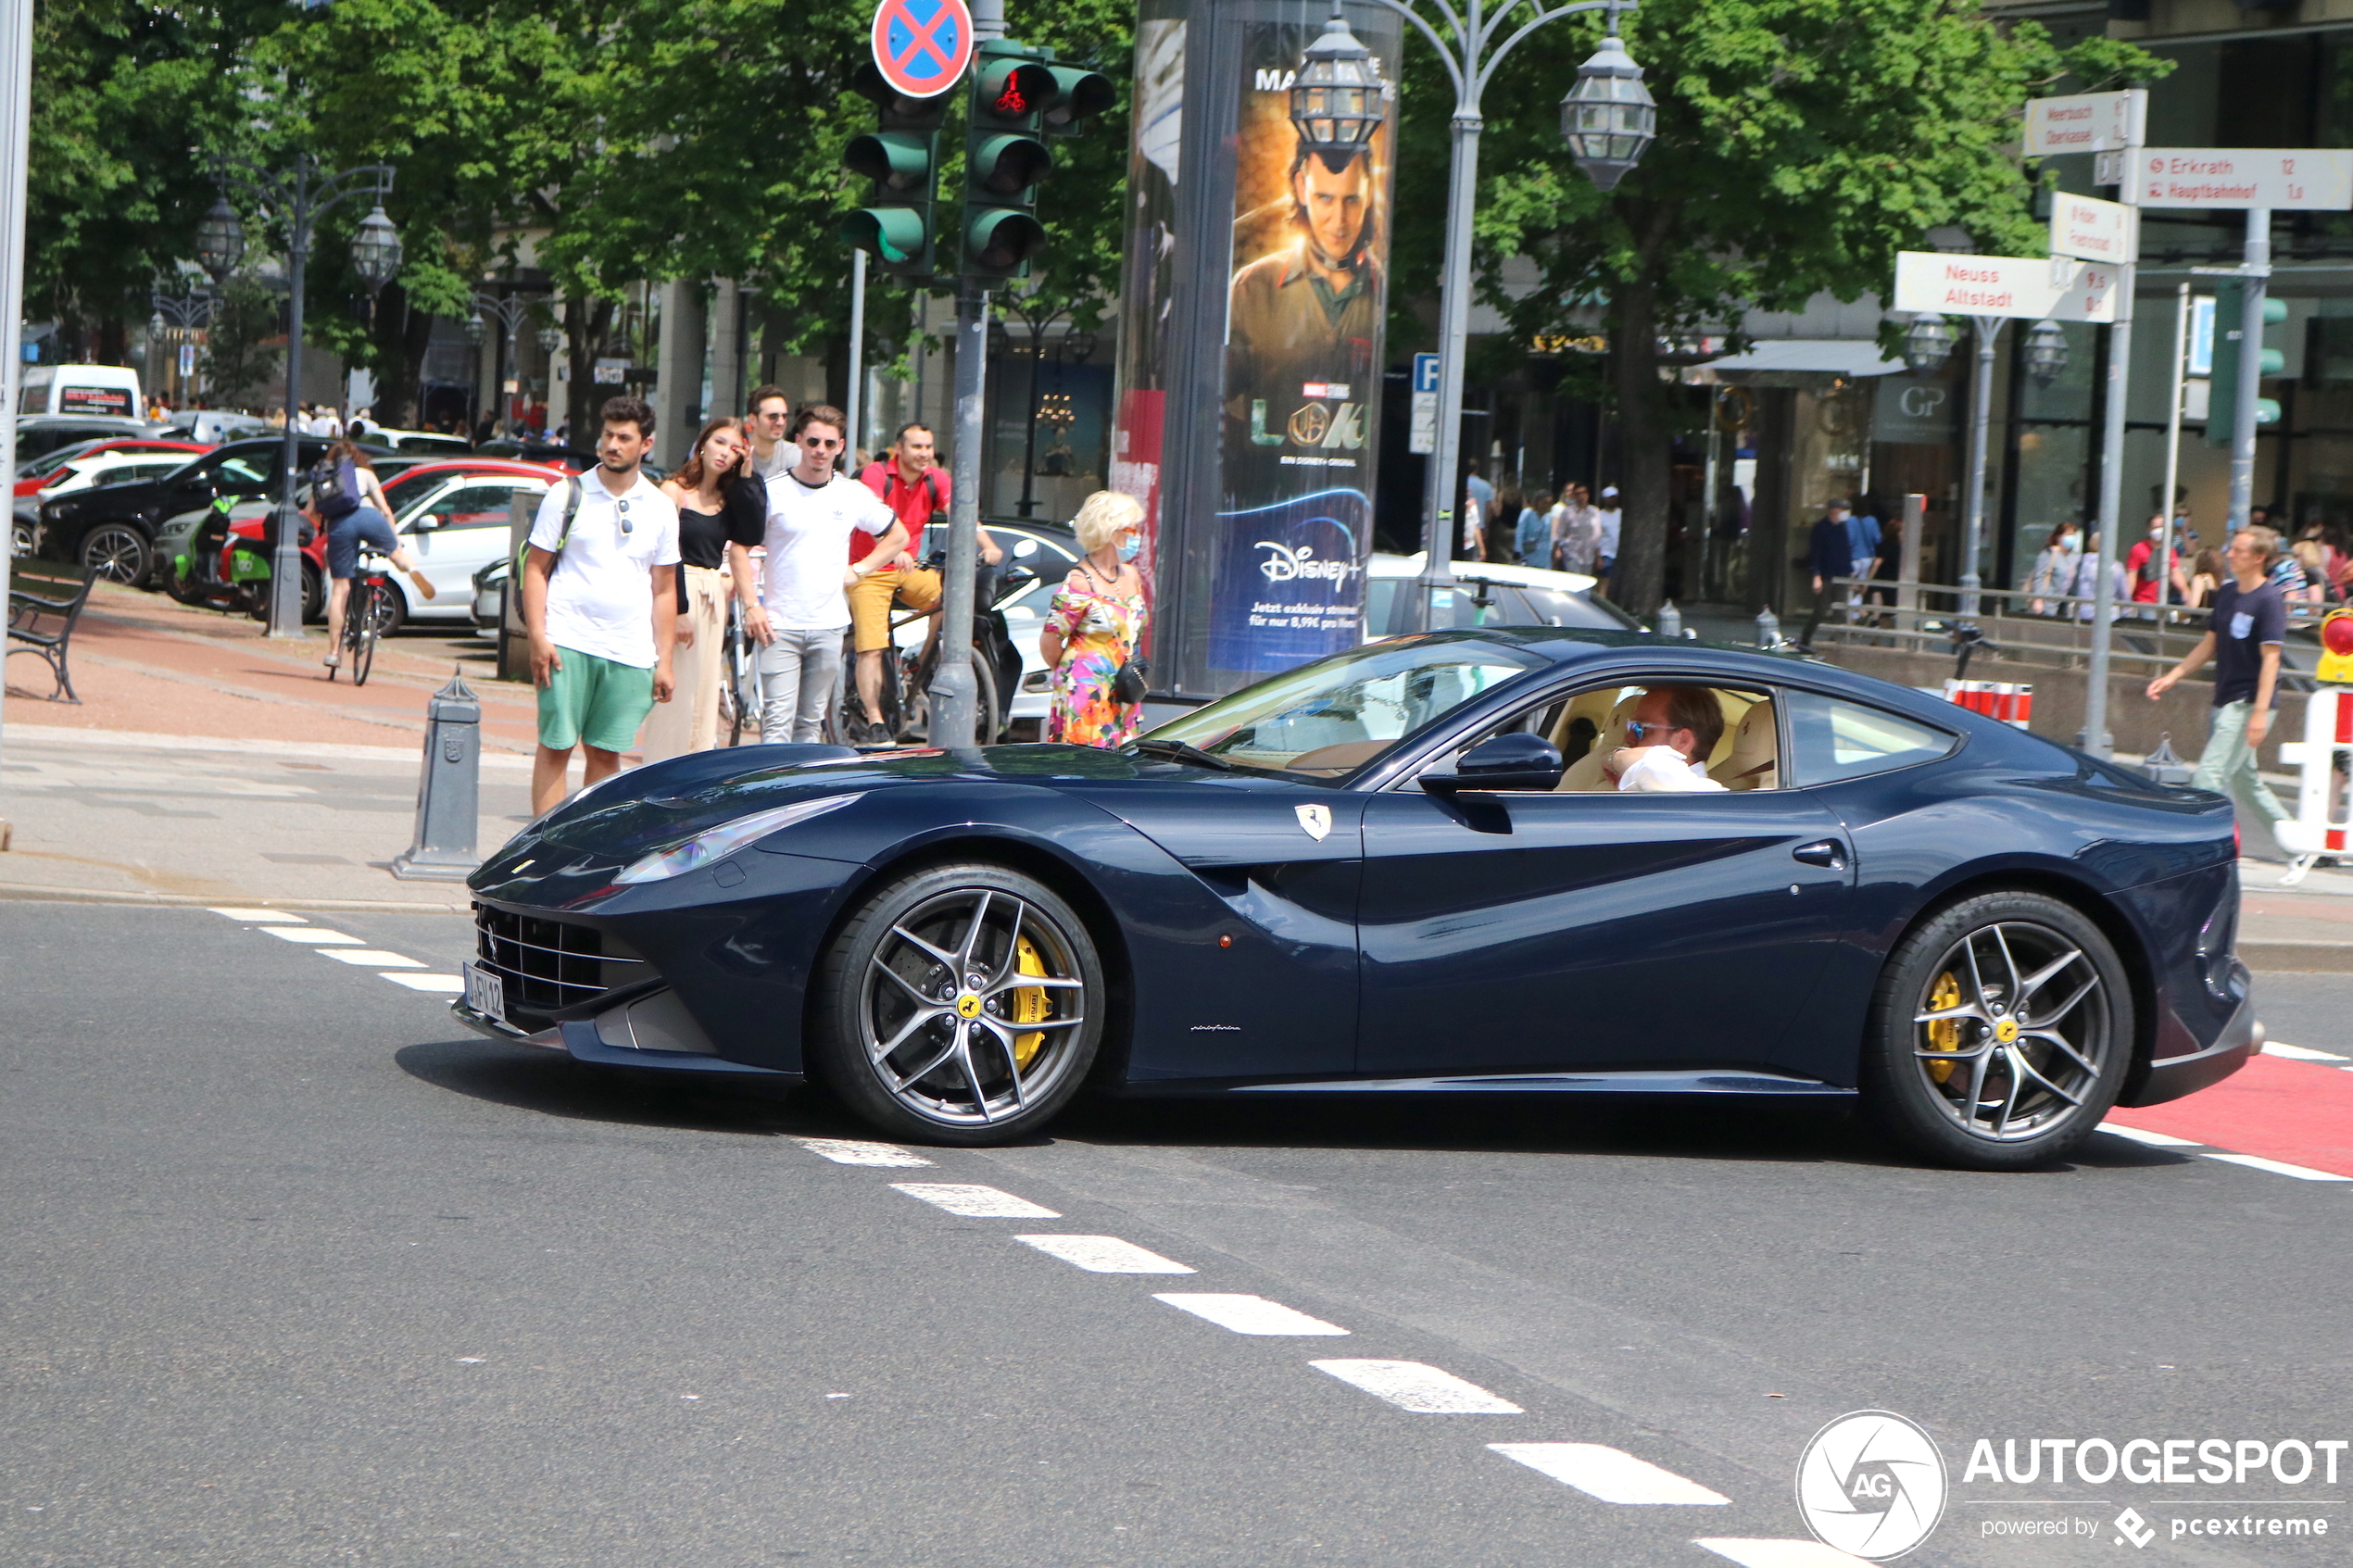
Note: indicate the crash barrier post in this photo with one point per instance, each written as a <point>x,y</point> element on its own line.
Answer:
<point>2163,766</point>
<point>1768,630</point>
<point>2010,701</point>
<point>448,790</point>
<point>2321,825</point>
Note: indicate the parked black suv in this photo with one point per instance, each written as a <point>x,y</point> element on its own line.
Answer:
<point>110,529</point>
<point>39,434</point>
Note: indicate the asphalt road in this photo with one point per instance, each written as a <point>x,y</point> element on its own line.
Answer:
<point>295,1273</point>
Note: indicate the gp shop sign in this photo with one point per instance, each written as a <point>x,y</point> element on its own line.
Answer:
<point>922,47</point>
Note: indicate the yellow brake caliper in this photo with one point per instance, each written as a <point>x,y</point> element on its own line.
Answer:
<point>1944,1034</point>
<point>1030,1005</point>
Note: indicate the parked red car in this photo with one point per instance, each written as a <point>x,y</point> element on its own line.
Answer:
<point>45,471</point>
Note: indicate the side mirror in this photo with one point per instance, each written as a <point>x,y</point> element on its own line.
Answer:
<point>430,519</point>
<point>1519,761</point>
<point>1013,580</point>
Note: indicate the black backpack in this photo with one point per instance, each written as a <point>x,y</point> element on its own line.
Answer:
<point>335,487</point>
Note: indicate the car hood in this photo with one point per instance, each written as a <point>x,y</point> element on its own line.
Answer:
<point>656,806</point>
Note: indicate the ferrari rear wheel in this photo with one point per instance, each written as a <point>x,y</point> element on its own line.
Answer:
<point>961,1005</point>
<point>2000,1033</point>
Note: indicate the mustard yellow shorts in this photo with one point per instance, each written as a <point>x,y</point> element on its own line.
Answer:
<point>871,596</point>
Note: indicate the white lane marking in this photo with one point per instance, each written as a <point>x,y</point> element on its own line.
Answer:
<point>1610,1474</point>
<point>312,935</point>
<point>371,957</point>
<point>975,1202</point>
<point>274,917</point>
<point>2300,1053</point>
<point>1781,1554</point>
<point>2281,1168</point>
<point>857,1151</point>
<point>1104,1255</point>
<point>2155,1140</point>
<point>440,985</point>
<point>1249,1314</point>
<point>1425,1390</point>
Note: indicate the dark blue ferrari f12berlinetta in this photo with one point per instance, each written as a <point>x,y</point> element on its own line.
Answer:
<point>1409,868</point>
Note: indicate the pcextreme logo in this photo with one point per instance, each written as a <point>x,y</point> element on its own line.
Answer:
<point>1872,1484</point>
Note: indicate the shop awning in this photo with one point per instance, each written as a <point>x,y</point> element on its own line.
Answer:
<point>1812,356</point>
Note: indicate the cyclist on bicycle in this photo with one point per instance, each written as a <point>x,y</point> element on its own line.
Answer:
<point>913,485</point>
<point>348,502</point>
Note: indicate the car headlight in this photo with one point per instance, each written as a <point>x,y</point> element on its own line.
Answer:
<point>719,843</point>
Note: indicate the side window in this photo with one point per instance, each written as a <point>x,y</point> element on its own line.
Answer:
<point>1743,742</point>
<point>1830,739</point>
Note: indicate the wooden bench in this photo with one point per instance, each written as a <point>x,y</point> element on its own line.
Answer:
<point>44,605</point>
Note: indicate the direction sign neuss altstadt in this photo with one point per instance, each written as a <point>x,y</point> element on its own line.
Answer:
<point>2026,287</point>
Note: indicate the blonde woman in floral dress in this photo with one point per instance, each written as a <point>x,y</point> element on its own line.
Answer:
<point>1095,624</point>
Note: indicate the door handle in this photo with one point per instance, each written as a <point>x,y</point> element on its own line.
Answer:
<point>1821,852</point>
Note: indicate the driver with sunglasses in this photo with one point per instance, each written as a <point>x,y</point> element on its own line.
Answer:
<point>1673,733</point>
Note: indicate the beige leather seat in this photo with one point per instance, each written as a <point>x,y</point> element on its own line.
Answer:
<point>1752,760</point>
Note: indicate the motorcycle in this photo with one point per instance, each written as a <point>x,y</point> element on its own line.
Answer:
<point>223,562</point>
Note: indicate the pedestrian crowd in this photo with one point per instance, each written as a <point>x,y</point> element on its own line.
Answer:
<point>627,588</point>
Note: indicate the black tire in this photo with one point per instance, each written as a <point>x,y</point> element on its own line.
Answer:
<point>115,552</point>
<point>952,1069</point>
<point>392,609</point>
<point>2026,1083</point>
<point>314,595</point>
<point>366,633</point>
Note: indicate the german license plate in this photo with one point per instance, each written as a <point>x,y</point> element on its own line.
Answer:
<point>487,994</point>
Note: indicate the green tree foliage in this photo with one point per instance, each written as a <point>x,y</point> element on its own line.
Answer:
<point>1801,144</point>
<point>239,358</point>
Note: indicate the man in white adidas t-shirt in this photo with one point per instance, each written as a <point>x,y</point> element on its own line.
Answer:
<point>804,614</point>
<point>599,595</point>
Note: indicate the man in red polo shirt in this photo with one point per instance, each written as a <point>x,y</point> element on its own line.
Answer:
<point>914,487</point>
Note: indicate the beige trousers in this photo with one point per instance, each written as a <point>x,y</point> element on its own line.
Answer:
<point>689,720</point>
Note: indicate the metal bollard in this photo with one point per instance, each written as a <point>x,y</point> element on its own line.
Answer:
<point>448,790</point>
<point>2162,766</point>
<point>1768,630</point>
<point>1670,621</point>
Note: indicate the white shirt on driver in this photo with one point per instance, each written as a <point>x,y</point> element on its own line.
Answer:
<point>1665,771</point>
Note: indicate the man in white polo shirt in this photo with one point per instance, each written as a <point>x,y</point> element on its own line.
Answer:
<point>814,511</point>
<point>599,595</point>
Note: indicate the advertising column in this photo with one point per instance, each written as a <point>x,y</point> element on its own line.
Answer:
<point>1255,296</point>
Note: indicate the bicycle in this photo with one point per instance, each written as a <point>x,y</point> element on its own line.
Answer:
<point>366,614</point>
<point>741,696</point>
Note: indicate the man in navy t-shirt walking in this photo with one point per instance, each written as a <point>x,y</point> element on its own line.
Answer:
<point>2249,626</point>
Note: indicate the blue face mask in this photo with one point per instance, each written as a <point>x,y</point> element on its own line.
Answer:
<point>1131,546</point>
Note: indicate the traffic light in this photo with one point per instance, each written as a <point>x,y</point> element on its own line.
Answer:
<point>1078,96</point>
<point>900,158</point>
<point>2221,407</point>
<point>1004,158</point>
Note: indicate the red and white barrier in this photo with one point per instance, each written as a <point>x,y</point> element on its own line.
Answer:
<point>2321,826</point>
<point>2010,701</point>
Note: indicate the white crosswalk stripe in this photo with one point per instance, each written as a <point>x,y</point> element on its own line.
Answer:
<point>273,916</point>
<point>1104,1255</point>
<point>1250,1315</point>
<point>858,1152</point>
<point>2280,1168</point>
<point>311,936</point>
<point>1781,1554</point>
<point>370,958</point>
<point>1425,1390</point>
<point>438,985</point>
<point>1610,1474</point>
<point>975,1202</point>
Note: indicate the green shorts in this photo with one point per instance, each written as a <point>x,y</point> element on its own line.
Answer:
<point>594,700</point>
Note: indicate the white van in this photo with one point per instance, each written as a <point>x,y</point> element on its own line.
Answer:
<point>82,389</point>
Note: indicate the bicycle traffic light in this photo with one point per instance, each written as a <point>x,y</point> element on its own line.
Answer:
<point>901,159</point>
<point>1078,96</point>
<point>2221,407</point>
<point>1004,159</point>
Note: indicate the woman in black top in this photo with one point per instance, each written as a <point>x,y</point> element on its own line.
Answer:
<point>719,500</point>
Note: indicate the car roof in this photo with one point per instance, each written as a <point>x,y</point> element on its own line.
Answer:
<point>1382,564</point>
<point>493,468</point>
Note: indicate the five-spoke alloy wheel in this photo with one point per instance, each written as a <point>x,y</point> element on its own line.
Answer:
<point>962,1004</point>
<point>2000,1033</point>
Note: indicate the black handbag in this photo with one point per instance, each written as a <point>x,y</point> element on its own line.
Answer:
<point>1127,687</point>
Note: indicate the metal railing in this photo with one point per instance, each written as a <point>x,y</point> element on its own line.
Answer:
<point>2053,630</point>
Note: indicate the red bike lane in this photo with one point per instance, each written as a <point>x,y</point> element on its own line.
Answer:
<point>2296,1113</point>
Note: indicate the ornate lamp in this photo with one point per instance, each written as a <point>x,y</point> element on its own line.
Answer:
<point>375,250</point>
<point>2045,353</point>
<point>1610,118</point>
<point>477,330</point>
<point>1928,343</point>
<point>1338,99</point>
<point>220,240</point>
<point>550,339</point>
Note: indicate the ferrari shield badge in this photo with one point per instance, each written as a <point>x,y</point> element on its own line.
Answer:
<point>1317,819</point>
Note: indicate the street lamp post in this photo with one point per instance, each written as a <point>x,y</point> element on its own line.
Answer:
<point>298,200</point>
<point>512,313</point>
<point>181,313</point>
<point>1608,119</point>
<point>1928,343</point>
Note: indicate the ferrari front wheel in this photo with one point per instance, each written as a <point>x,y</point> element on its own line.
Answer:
<point>962,1004</point>
<point>2000,1033</point>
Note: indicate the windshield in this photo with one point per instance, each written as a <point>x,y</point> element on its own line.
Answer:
<point>1339,714</point>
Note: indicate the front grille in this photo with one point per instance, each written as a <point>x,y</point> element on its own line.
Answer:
<point>547,964</point>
